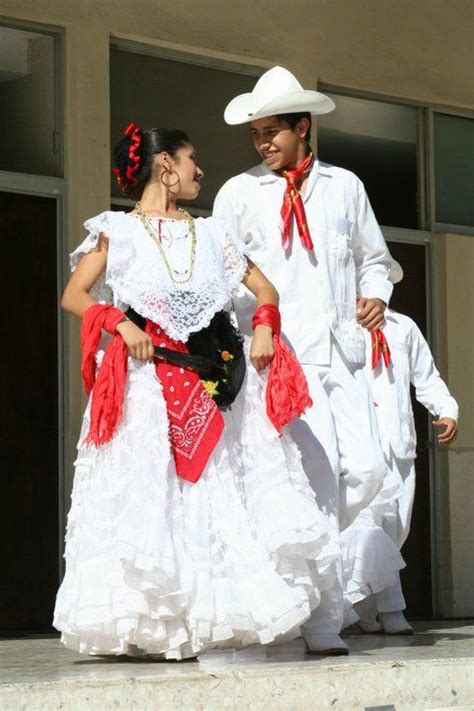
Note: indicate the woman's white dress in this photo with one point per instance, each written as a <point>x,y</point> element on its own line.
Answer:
<point>157,565</point>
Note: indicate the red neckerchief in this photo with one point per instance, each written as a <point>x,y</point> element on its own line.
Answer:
<point>293,205</point>
<point>195,422</point>
<point>287,394</point>
<point>380,349</point>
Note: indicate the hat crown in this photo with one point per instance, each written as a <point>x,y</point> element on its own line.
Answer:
<point>276,92</point>
<point>275,82</point>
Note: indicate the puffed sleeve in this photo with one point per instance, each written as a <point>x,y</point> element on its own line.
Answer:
<point>97,228</point>
<point>233,255</point>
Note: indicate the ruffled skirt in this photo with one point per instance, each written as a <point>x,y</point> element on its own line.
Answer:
<point>156,565</point>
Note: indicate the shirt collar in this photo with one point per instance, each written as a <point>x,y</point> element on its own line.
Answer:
<point>266,175</point>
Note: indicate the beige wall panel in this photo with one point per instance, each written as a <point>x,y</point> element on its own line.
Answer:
<point>454,298</point>
<point>88,172</point>
<point>461,546</point>
<point>460,331</point>
<point>413,48</point>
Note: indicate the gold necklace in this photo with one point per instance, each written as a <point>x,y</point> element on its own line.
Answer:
<point>176,276</point>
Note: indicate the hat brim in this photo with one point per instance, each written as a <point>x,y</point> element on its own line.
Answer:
<point>242,109</point>
<point>396,272</point>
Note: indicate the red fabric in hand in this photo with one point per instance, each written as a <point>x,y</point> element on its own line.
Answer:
<point>380,349</point>
<point>287,394</point>
<point>109,384</point>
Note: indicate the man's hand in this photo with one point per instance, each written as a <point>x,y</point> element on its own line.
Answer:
<point>370,313</point>
<point>450,432</point>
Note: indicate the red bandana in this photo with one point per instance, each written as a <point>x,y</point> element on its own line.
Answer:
<point>287,393</point>
<point>293,205</point>
<point>195,422</point>
<point>380,349</point>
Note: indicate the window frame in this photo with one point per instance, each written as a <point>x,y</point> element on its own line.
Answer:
<point>57,34</point>
<point>425,151</point>
<point>52,187</point>
<point>436,225</point>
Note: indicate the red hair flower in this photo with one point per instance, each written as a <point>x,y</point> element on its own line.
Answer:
<point>129,180</point>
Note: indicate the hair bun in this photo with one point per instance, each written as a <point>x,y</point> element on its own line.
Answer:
<point>126,169</point>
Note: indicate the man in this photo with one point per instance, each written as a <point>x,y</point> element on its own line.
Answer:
<point>374,584</point>
<point>310,228</point>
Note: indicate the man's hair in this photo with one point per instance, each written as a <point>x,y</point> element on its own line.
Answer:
<point>292,120</point>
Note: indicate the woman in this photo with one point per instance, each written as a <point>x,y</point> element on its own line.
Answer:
<point>189,529</point>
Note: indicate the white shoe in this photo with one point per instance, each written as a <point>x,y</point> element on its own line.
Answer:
<point>330,644</point>
<point>369,626</point>
<point>395,623</point>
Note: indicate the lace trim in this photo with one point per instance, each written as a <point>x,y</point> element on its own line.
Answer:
<point>166,323</point>
<point>136,274</point>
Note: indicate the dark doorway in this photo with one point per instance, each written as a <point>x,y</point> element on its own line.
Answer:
<point>29,414</point>
<point>409,297</point>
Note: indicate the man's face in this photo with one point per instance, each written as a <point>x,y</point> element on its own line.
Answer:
<point>278,144</point>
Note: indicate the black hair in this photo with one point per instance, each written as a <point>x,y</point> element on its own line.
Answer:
<point>292,120</point>
<point>134,154</point>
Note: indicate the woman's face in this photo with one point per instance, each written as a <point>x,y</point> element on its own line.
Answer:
<point>184,164</point>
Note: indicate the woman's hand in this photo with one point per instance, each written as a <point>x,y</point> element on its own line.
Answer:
<point>262,351</point>
<point>139,343</point>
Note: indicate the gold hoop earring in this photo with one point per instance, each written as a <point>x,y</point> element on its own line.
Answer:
<point>170,173</point>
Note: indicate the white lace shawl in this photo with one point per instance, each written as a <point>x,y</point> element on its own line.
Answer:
<point>137,276</point>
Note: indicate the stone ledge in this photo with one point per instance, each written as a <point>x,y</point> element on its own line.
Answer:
<point>433,670</point>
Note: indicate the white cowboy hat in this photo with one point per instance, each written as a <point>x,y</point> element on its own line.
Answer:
<point>276,92</point>
<point>396,272</point>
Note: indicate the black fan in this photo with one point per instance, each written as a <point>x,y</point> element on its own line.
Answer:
<point>216,353</point>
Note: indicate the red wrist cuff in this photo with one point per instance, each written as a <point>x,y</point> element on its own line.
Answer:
<point>268,315</point>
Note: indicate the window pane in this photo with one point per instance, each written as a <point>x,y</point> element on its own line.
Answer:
<point>157,92</point>
<point>27,101</point>
<point>454,169</point>
<point>378,142</point>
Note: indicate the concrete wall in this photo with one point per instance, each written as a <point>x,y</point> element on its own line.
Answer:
<point>457,544</point>
<point>420,50</point>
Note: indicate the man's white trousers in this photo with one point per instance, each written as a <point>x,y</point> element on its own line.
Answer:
<point>340,445</point>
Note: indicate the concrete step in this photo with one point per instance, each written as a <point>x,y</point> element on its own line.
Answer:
<point>433,670</point>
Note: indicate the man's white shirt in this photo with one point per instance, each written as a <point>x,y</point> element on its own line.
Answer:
<point>412,362</point>
<point>318,290</point>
